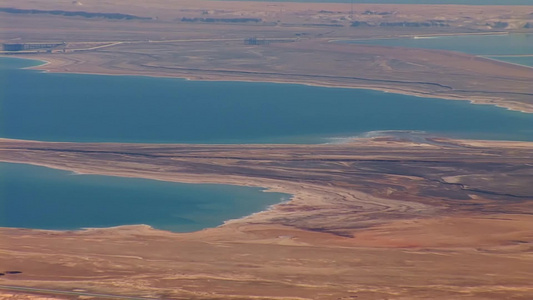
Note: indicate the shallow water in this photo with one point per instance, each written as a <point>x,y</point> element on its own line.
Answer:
<point>38,197</point>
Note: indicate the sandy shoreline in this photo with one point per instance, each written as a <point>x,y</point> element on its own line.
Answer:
<point>168,46</point>
<point>188,179</point>
<point>302,194</point>
<point>49,65</point>
<point>296,191</point>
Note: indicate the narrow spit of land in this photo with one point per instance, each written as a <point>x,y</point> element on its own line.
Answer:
<point>287,42</point>
<point>372,218</point>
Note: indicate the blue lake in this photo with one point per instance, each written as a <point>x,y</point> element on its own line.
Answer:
<point>95,108</point>
<point>38,197</point>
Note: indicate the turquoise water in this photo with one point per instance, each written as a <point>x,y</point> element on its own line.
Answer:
<point>38,197</point>
<point>493,46</point>
<point>73,107</point>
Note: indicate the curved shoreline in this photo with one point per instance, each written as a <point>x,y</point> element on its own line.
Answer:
<point>302,194</point>
<point>48,65</point>
<point>325,199</point>
<point>265,188</point>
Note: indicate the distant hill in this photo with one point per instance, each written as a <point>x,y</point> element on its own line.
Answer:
<point>72,13</point>
<point>464,2</point>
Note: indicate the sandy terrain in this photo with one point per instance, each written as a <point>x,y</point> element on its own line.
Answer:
<point>371,219</point>
<point>300,48</point>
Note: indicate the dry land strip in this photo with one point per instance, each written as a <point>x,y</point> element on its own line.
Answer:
<point>275,42</point>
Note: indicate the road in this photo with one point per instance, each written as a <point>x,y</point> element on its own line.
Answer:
<point>13,288</point>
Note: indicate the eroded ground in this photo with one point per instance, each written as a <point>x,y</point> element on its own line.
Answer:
<point>370,219</point>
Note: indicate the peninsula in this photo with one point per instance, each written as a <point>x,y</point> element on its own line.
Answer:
<point>275,42</point>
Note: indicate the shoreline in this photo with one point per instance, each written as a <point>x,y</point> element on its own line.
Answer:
<point>266,188</point>
<point>477,100</point>
<point>80,171</point>
<point>299,193</point>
